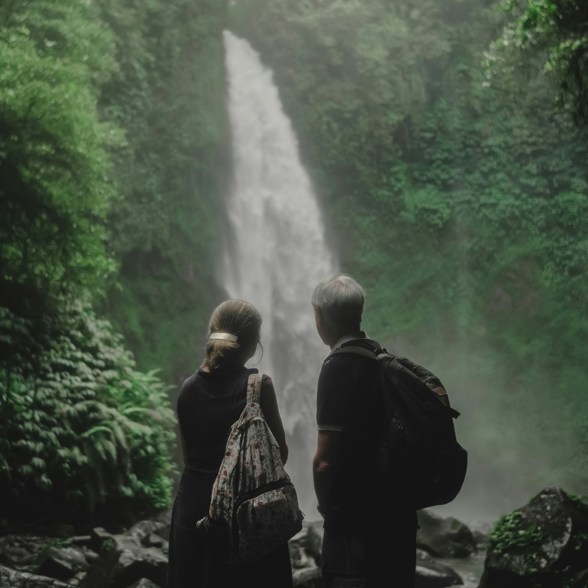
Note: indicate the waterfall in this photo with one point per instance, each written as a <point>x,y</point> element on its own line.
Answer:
<point>277,251</point>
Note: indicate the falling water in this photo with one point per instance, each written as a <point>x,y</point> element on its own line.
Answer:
<point>277,252</point>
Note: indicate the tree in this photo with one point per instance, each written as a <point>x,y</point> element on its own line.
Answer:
<point>54,188</point>
<point>557,30</point>
<point>81,429</point>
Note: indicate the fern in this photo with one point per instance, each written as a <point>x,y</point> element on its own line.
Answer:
<point>82,428</point>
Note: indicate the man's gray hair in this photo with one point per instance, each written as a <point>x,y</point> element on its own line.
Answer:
<point>340,299</point>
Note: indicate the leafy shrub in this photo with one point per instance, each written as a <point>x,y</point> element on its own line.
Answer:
<point>80,427</point>
<point>54,164</point>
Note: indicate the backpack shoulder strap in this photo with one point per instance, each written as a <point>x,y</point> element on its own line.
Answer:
<point>400,367</point>
<point>355,350</point>
<point>365,347</point>
<point>254,388</point>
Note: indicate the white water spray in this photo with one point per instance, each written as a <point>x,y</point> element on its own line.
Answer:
<point>277,252</point>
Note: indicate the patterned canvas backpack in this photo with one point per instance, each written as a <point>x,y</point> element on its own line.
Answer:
<point>254,505</point>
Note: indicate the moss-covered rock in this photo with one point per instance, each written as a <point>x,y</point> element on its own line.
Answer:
<point>544,544</point>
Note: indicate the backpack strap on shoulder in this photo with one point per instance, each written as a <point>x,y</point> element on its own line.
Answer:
<point>355,350</point>
<point>365,347</point>
<point>254,388</point>
<point>401,365</point>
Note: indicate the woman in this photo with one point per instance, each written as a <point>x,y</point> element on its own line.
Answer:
<point>210,401</point>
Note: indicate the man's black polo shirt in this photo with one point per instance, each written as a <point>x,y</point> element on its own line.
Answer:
<point>349,402</point>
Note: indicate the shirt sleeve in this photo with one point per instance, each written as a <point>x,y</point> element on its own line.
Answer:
<point>334,393</point>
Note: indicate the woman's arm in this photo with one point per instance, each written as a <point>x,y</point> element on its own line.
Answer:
<point>269,406</point>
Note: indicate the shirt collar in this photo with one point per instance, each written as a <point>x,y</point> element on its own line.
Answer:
<point>349,337</point>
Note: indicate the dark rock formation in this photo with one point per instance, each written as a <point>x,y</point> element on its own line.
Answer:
<point>544,544</point>
<point>444,536</point>
<point>432,574</point>
<point>305,550</point>
<point>16,579</point>
<point>124,560</point>
<point>137,558</point>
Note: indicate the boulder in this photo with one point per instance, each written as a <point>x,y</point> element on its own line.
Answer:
<point>144,583</point>
<point>123,561</point>
<point>444,536</point>
<point>21,552</point>
<point>480,531</point>
<point>432,574</point>
<point>310,577</point>
<point>63,563</point>
<point>16,579</point>
<point>544,543</point>
<point>314,540</point>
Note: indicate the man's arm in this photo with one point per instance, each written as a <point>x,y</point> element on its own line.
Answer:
<point>324,465</point>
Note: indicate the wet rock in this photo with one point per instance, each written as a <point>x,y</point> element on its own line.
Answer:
<point>144,529</point>
<point>432,574</point>
<point>137,558</point>
<point>481,531</point>
<point>63,563</point>
<point>580,580</point>
<point>99,537</point>
<point>308,578</point>
<point>21,552</point>
<point>305,546</point>
<point>123,561</point>
<point>144,583</point>
<point>151,533</point>
<point>444,536</point>
<point>314,540</point>
<point>10,578</point>
<point>544,543</point>
<point>155,540</point>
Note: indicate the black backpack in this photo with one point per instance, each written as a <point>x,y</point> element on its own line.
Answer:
<point>418,454</point>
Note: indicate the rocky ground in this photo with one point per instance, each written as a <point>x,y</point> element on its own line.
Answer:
<point>543,544</point>
<point>137,557</point>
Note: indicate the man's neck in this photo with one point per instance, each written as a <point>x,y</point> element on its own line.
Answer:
<point>349,337</point>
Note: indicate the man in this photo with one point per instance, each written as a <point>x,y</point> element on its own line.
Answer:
<point>369,531</point>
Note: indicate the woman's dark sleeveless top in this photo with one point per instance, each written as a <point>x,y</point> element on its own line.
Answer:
<point>208,404</point>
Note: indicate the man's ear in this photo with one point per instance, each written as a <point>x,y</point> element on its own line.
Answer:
<point>319,317</point>
<point>323,328</point>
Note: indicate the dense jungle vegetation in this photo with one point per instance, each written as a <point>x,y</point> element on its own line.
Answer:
<point>448,144</point>
<point>112,146</point>
<point>453,173</point>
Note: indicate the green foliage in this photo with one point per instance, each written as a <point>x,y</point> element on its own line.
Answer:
<point>168,96</point>
<point>112,137</point>
<point>42,550</point>
<point>580,542</point>
<point>460,204</point>
<point>527,544</point>
<point>459,200</point>
<point>579,500</point>
<point>53,163</point>
<point>558,31</point>
<point>112,134</point>
<point>511,533</point>
<point>80,427</point>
